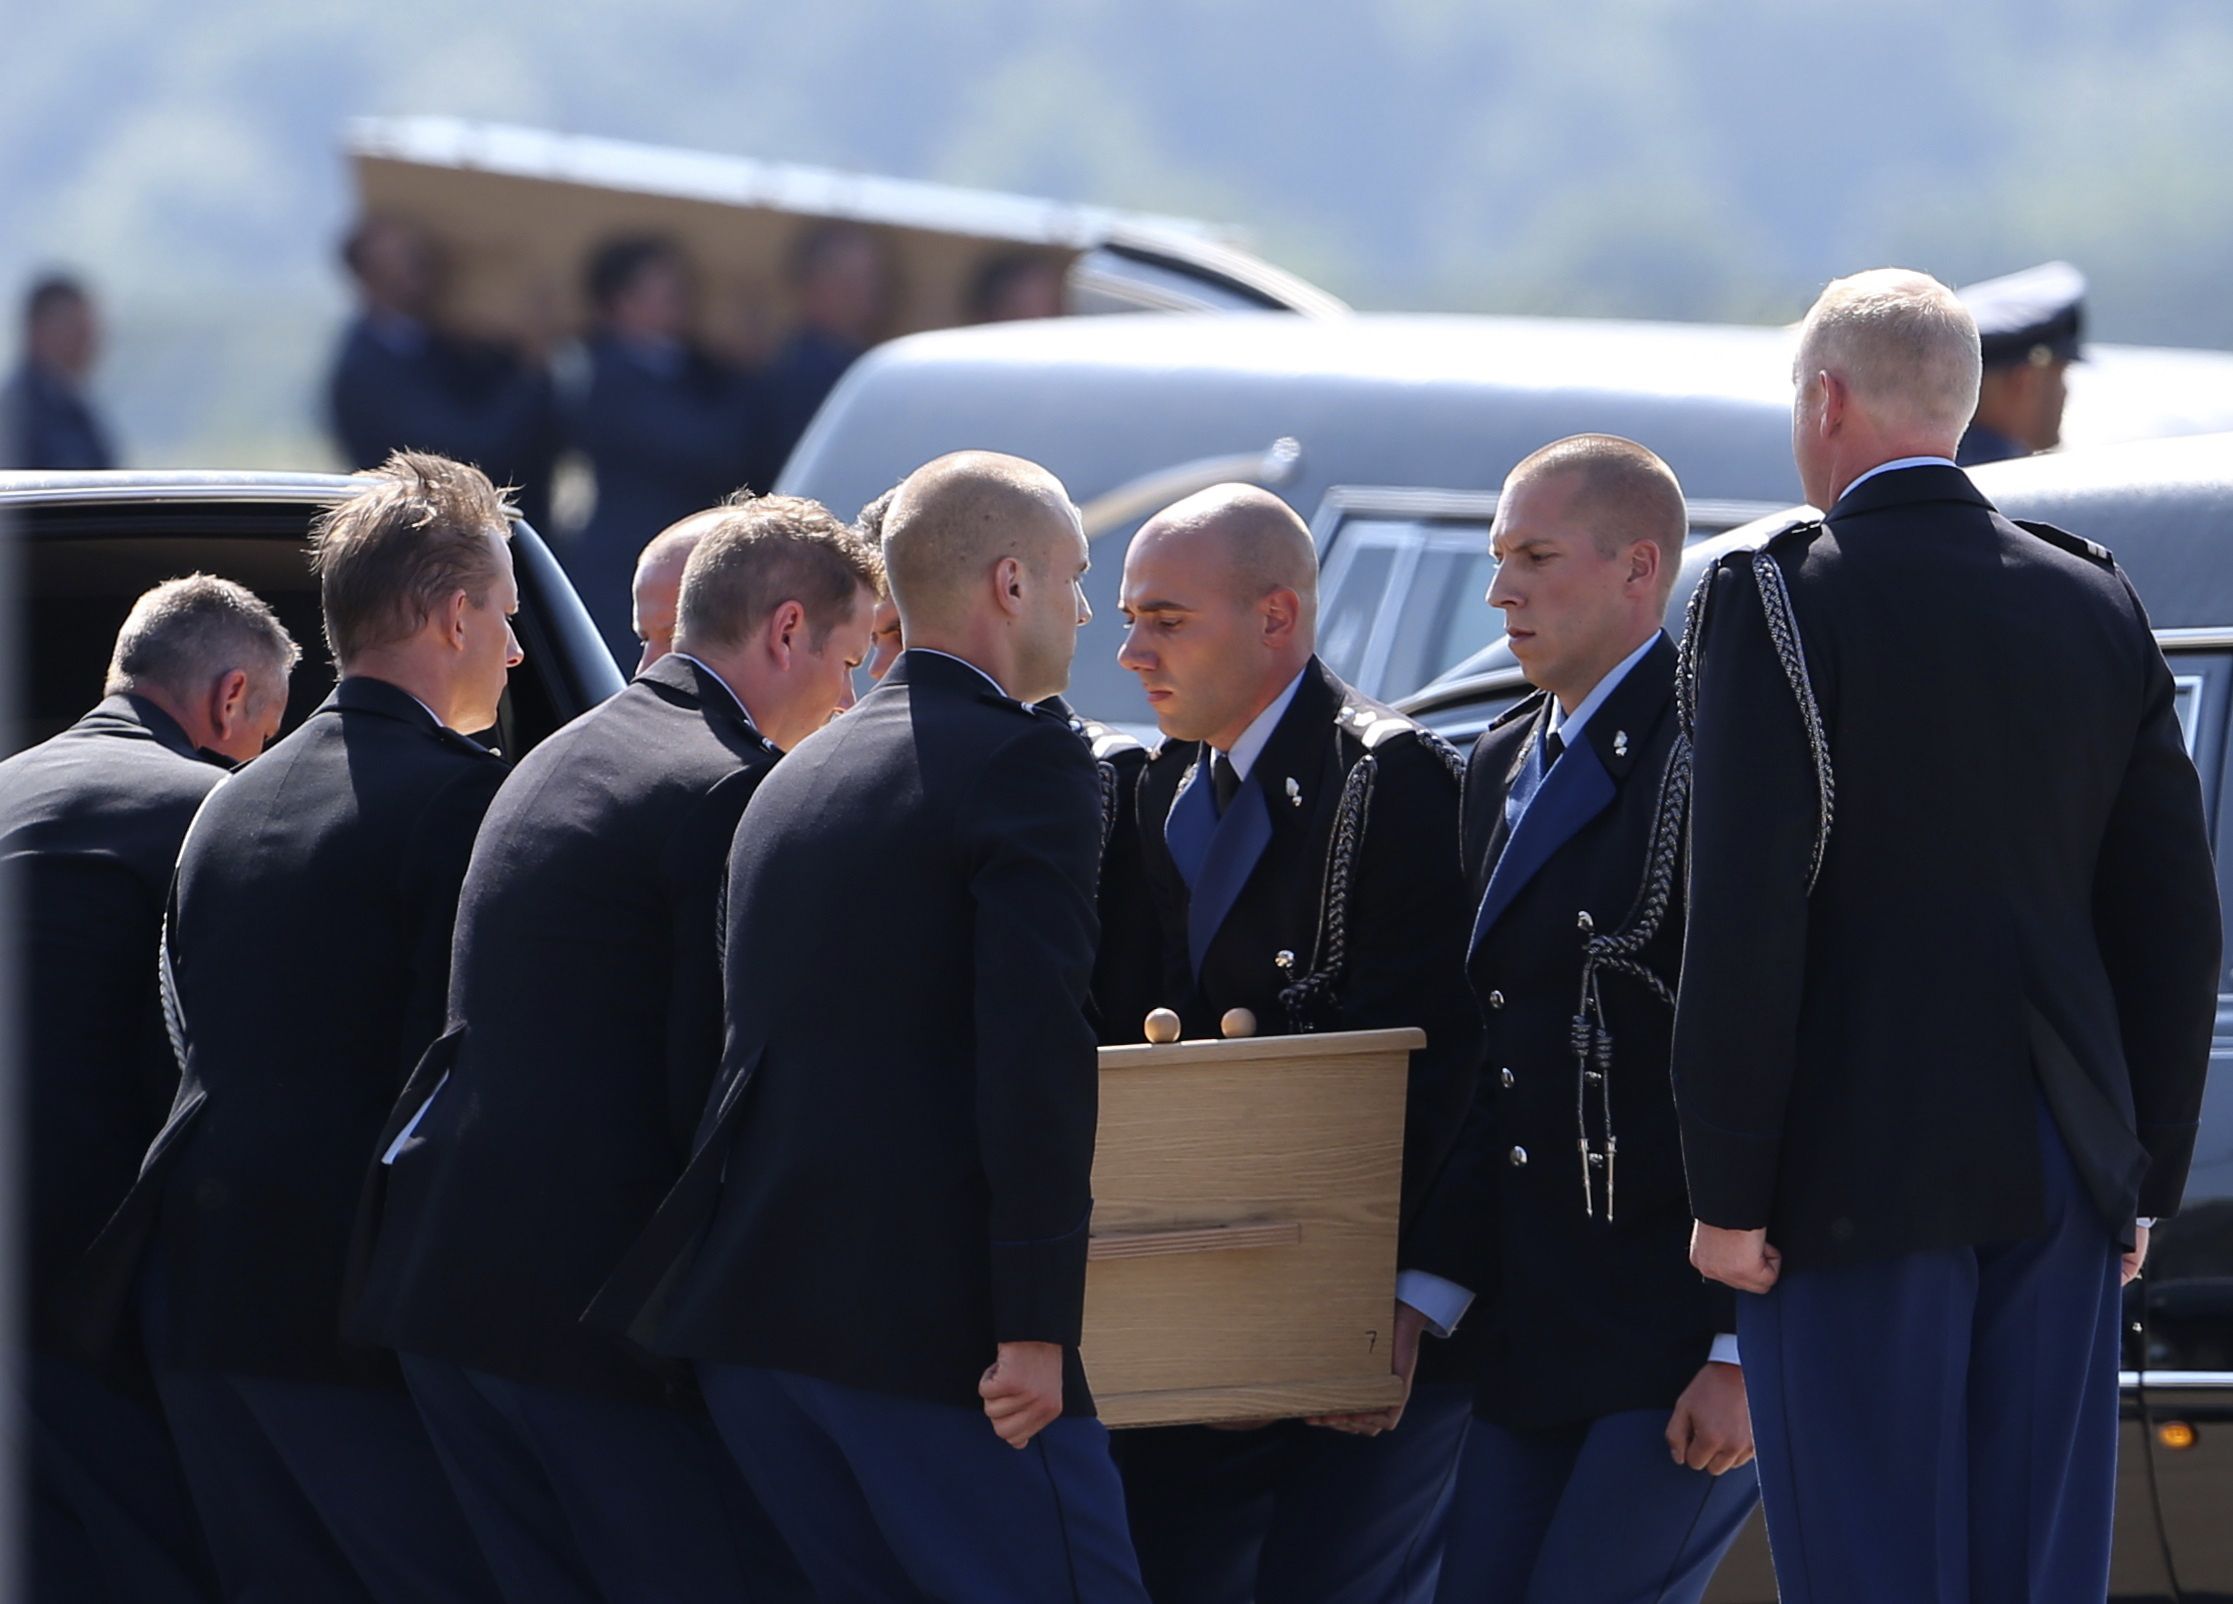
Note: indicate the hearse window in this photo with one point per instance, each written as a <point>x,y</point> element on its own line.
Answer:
<point>2187,688</point>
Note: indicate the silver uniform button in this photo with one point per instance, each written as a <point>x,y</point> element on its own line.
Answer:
<point>1505,1075</point>
<point>1519,1158</point>
<point>1496,999</point>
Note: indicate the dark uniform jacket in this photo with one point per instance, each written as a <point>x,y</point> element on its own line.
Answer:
<point>1587,1301</point>
<point>308,935</point>
<point>1255,931</point>
<point>2014,895</point>
<point>893,1171</point>
<point>1127,967</point>
<point>584,1029</point>
<point>90,823</point>
<point>416,388</point>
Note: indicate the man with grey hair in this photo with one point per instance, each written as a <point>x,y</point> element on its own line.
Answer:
<point>1948,988</point>
<point>90,826</point>
<point>306,961</point>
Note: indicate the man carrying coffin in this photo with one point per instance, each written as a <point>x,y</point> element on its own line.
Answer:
<point>1299,843</point>
<point>584,1028</point>
<point>876,1257</point>
<point>1609,1457</point>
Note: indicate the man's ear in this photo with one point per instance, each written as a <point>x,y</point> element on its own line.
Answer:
<point>1282,611</point>
<point>1836,397</point>
<point>1643,563</point>
<point>786,632</point>
<point>460,604</point>
<point>228,701</point>
<point>1008,583</point>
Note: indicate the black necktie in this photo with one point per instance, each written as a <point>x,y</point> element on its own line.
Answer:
<point>1552,746</point>
<point>1227,780</point>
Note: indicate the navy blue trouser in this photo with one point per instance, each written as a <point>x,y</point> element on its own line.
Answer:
<point>889,1500</point>
<point>1297,1514</point>
<point>1941,1428</point>
<point>1593,1513</point>
<point>579,1499</point>
<point>109,1516</point>
<point>313,1490</point>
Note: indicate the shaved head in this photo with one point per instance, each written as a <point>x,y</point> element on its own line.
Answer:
<point>986,559</point>
<point>1221,610</point>
<point>1619,492</point>
<point>1258,543</point>
<point>1904,344</point>
<point>655,594</point>
<point>953,519</point>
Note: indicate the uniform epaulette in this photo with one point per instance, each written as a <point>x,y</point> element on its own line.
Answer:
<point>1373,725</point>
<point>1106,740</point>
<point>2076,545</point>
<point>1525,707</point>
<point>1027,709</point>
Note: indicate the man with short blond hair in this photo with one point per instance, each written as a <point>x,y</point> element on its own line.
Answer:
<point>584,1026</point>
<point>1948,989</point>
<point>328,871</point>
<point>90,825</point>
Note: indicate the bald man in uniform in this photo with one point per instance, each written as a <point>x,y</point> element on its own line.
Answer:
<point>876,1258</point>
<point>1299,846</point>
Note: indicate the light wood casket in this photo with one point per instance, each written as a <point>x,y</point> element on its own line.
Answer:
<point>1243,1259</point>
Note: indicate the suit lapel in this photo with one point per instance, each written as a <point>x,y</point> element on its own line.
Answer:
<point>1575,791</point>
<point>1581,784</point>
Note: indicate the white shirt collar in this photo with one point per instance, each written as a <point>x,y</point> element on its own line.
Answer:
<point>1569,728</point>
<point>932,651</point>
<point>1258,735</point>
<point>1894,466</point>
<point>708,670</point>
<point>428,711</point>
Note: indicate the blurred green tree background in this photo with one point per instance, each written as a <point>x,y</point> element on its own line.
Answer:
<point>1712,159</point>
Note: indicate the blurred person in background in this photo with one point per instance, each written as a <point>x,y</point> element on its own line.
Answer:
<point>2028,325</point>
<point>840,281</point>
<point>667,428</point>
<point>400,383</point>
<point>1013,286</point>
<point>46,418</point>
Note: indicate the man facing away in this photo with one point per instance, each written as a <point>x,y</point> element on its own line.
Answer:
<point>1609,1455</point>
<point>1299,857</point>
<point>90,825</point>
<point>307,950</point>
<point>876,1258</point>
<point>1948,987</point>
<point>584,1028</point>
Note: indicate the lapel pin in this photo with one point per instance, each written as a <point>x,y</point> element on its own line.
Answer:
<point>1294,793</point>
<point>1620,743</point>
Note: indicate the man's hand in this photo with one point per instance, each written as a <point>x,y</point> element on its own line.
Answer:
<point>1023,1390</point>
<point>1711,1428</point>
<point>2137,1257</point>
<point>1740,1259</point>
<point>1403,1361</point>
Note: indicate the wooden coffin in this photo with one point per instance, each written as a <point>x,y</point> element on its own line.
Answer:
<point>517,213</point>
<point>1246,1193</point>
